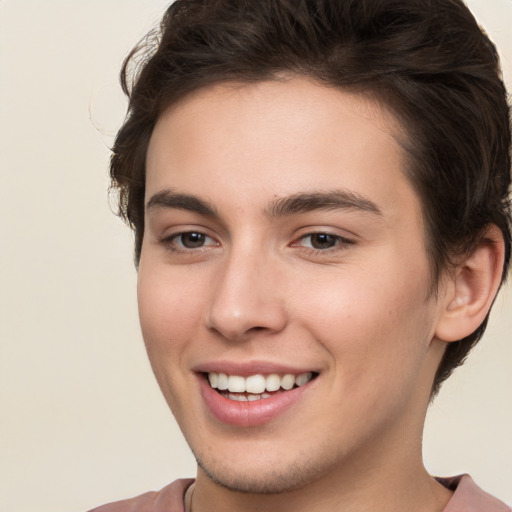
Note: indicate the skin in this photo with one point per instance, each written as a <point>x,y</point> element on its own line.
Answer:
<point>255,289</point>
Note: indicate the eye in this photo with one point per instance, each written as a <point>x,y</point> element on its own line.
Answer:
<point>322,242</point>
<point>191,240</point>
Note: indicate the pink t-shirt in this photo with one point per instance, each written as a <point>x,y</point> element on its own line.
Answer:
<point>467,497</point>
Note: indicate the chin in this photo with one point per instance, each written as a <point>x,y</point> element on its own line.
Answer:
<point>255,481</point>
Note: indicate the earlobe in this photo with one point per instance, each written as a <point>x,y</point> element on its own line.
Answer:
<point>472,288</point>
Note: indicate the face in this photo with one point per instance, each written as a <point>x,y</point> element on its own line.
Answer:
<point>283,283</point>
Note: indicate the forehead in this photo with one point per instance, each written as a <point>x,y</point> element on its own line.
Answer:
<point>297,100</point>
<point>274,139</point>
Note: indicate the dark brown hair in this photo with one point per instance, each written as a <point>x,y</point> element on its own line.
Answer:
<point>427,60</point>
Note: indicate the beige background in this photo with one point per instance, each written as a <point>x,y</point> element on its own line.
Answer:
<point>82,421</point>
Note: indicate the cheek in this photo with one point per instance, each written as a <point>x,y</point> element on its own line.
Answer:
<point>169,308</point>
<point>169,316</point>
<point>375,335</point>
<point>370,323</point>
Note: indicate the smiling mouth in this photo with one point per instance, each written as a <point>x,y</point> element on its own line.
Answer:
<point>256,387</point>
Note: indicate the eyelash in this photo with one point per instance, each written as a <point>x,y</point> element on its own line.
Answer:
<point>170,241</point>
<point>340,243</point>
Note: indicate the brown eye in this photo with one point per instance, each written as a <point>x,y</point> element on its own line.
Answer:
<point>191,240</point>
<point>323,240</point>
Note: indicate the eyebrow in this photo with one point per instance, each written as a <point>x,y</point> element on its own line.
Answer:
<point>169,199</point>
<point>330,200</point>
<point>294,204</point>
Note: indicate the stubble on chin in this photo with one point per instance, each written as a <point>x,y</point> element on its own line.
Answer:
<point>293,477</point>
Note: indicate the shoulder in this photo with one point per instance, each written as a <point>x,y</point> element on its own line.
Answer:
<point>169,499</point>
<point>468,497</point>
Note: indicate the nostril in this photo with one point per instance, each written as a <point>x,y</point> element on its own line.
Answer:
<point>256,329</point>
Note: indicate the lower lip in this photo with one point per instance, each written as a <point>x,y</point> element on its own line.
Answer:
<point>250,414</point>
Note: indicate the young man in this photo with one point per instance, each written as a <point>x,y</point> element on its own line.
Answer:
<point>319,193</point>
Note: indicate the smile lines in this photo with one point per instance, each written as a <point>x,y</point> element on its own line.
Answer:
<point>255,387</point>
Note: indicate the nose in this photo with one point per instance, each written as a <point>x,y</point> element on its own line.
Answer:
<point>247,298</point>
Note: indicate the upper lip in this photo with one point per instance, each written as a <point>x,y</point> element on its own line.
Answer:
<point>244,369</point>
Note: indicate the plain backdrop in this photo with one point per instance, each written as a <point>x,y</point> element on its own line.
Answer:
<point>82,420</point>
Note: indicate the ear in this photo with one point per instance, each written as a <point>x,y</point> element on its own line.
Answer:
<point>470,290</point>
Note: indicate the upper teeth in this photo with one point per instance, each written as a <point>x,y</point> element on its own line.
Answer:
<point>257,384</point>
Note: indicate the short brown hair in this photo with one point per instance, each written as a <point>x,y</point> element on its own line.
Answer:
<point>428,61</point>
